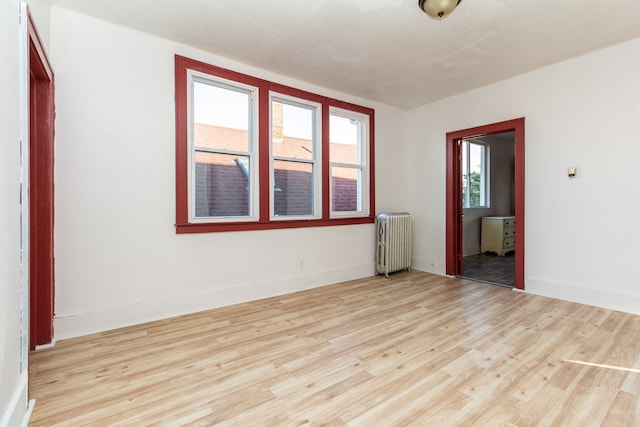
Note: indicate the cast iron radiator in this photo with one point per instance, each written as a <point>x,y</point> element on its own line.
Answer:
<point>393,249</point>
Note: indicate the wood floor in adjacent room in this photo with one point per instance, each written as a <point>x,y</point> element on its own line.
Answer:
<point>415,349</point>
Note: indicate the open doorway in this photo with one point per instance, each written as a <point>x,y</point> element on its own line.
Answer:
<point>484,136</point>
<point>488,208</point>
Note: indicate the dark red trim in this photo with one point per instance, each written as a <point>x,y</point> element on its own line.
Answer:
<point>203,67</point>
<point>36,49</point>
<point>182,143</point>
<point>41,190</point>
<point>326,173</point>
<point>264,177</point>
<point>372,167</point>
<point>520,203</point>
<point>183,225</point>
<point>348,106</point>
<point>453,196</point>
<point>269,225</point>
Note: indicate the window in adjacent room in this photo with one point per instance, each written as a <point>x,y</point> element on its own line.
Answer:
<point>475,175</point>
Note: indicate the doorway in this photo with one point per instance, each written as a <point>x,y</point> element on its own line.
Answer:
<point>488,208</point>
<point>41,190</point>
<point>482,137</point>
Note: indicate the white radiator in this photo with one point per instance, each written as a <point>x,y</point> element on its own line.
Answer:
<point>393,251</point>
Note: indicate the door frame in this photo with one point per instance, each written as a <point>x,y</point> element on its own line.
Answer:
<point>41,101</point>
<point>454,194</point>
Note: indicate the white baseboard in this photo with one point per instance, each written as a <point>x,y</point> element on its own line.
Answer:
<point>17,412</point>
<point>45,346</point>
<point>69,325</point>
<point>595,297</point>
<point>427,266</point>
<point>27,415</point>
<point>477,252</point>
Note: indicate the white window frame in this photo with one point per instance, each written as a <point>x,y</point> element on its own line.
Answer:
<point>316,160</point>
<point>484,175</point>
<point>253,147</point>
<point>362,165</point>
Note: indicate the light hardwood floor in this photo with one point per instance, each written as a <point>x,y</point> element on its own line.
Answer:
<point>415,349</point>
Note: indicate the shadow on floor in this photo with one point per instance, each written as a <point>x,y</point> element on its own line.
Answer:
<point>489,267</point>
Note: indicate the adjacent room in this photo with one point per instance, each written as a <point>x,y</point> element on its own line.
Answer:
<point>192,193</point>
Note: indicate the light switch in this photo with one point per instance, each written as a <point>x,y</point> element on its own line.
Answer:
<point>572,172</point>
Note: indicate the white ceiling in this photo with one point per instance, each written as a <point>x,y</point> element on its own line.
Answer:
<point>383,50</point>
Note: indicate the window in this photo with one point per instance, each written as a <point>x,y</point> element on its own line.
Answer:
<point>294,154</point>
<point>221,149</point>
<point>253,154</point>
<point>475,175</point>
<point>348,161</point>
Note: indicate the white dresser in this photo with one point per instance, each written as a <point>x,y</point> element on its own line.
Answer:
<point>498,234</point>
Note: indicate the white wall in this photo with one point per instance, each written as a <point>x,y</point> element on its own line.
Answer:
<point>13,379</point>
<point>118,259</point>
<point>581,234</point>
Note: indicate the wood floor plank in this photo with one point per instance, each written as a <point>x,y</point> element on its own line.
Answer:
<point>624,410</point>
<point>415,349</point>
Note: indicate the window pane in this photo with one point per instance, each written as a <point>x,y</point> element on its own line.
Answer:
<point>346,189</point>
<point>292,131</point>
<point>221,117</point>
<point>465,180</point>
<point>475,175</point>
<point>221,186</point>
<point>293,192</point>
<point>344,135</point>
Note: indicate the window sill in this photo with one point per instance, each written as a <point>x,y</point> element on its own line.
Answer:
<point>210,227</point>
<point>475,208</point>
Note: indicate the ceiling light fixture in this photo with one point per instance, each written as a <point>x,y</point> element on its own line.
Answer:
<point>438,9</point>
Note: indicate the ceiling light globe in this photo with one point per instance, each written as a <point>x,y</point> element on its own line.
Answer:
<point>438,9</point>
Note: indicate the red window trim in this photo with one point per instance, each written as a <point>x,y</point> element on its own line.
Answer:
<point>182,65</point>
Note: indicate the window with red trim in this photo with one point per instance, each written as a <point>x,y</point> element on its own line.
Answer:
<point>253,154</point>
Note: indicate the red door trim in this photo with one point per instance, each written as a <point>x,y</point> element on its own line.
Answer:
<point>41,191</point>
<point>453,194</point>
